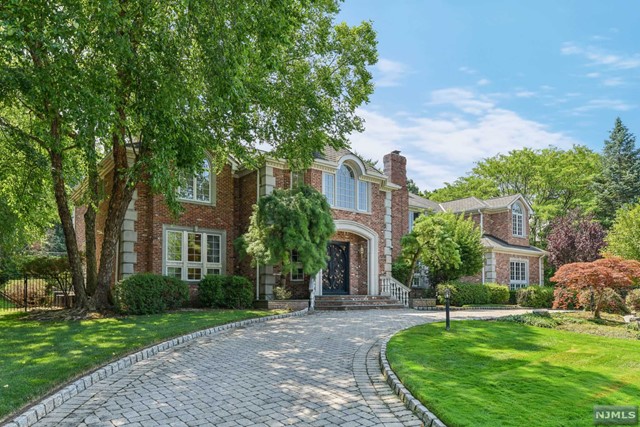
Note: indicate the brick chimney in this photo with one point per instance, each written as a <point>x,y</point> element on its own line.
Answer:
<point>395,167</point>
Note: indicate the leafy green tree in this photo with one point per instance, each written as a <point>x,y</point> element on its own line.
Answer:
<point>155,85</point>
<point>288,220</point>
<point>412,187</point>
<point>552,180</point>
<point>466,186</point>
<point>447,243</point>
<point>623,239</point>
<point>619,182</point>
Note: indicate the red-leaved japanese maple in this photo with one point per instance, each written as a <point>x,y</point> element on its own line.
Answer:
<point>596,276</point>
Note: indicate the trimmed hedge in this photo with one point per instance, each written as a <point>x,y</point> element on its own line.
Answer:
<point>471,293</point>
<point>150,293</point>
<point>535,296</point>
<point>225,292</point>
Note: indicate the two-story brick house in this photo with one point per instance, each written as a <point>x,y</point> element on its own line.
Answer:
<point>504,224</point>
<point>371,210</point>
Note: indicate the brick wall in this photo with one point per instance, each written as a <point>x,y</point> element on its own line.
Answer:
<point>154,213</point>
<point>503,268</point>
<point>374,220</point>
<point>500,225</point>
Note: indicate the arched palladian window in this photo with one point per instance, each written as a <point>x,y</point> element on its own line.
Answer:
<point>345,189</point>
<point>200,187</point>
<point>517,219</point>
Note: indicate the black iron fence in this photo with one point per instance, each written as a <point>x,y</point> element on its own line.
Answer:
<point>30,292</point>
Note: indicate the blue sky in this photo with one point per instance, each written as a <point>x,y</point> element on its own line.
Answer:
<point>458,81</point>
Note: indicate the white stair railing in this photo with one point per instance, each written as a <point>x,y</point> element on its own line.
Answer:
<point>393,288</point>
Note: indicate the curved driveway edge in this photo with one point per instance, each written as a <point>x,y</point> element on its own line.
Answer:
<point>45,406</point>
<point>413,404</point>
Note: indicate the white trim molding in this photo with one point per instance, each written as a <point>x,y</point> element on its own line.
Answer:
<point>372,239</point>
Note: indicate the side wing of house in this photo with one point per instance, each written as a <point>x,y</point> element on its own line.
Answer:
<point>504,224</point>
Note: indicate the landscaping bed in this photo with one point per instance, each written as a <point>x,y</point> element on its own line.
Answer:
<point>39,356</point>
<point>488,373</point>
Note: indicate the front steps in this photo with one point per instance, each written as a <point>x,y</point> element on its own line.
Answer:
<point>356,302</point>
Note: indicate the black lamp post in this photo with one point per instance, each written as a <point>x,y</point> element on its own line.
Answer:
<point>447,297</point>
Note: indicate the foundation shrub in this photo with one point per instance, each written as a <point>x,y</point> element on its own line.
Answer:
<point>149,294</point>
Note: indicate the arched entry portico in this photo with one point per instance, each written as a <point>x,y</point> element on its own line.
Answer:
<point>372,260</point>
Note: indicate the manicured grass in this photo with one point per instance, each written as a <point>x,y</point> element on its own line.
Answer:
<point>508,374</point>
<point>38,356</point>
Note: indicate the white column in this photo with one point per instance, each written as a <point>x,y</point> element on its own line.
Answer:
<point>388,234</point>
<point>267,280</point>
<point>128,239</point>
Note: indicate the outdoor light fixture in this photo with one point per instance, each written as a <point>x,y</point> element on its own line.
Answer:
<point>447,297</point>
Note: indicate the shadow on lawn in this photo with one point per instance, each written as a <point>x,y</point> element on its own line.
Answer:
<point>511,374</point>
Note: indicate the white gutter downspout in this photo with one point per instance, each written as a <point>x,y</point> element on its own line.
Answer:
<point>484,260</point>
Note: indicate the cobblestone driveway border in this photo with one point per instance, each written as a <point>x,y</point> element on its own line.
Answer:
<point>48,404</point>
<point>413,404</point>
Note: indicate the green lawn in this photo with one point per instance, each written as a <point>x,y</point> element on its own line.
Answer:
<point>38,356</point>
<point>508,374</point>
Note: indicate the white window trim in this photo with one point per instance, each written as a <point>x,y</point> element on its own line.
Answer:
<point>212,188</point>
<point>413,218</point>
<point>518,216</point>
<point>295,266</point>
<point>334,201</point>
<point>517,284</point>
<point>300,178</point>
<point>185,264</point>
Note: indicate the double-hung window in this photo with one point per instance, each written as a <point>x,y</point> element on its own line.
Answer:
<point>192,255</point>
<point>297,272</point>
<point>517,220</point>
<point>517,275</point>
<point>199,187</point>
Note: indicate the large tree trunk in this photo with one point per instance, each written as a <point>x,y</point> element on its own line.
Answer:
<point>75,260</point>
<point>90,227</point>
<point>121,194</point>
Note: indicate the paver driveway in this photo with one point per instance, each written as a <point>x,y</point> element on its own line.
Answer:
<point>320,369</point>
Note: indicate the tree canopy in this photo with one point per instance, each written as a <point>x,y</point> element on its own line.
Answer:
<point>600,277</point>
<point>574,237</point>
<point>619,182</point>
<point>552,180</point>
<point>447,243</point>
<point>623,239</point>
<point>289,220</point>
<point>155,85</point>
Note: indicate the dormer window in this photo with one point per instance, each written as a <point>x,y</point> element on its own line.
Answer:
<point>517,220</point>
<point>200,187</point>
<point>345,190</point>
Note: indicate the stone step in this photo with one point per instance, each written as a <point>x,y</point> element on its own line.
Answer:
<point>351,297</point>
<point>356,302</point>
<point>359,307</point>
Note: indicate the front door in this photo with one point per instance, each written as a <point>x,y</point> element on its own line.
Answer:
<point>335,278</point>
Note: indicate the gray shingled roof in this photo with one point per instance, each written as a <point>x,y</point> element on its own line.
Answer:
<point>501,202</point>
<point>495,243</point>
<point>416,201</point>
<point>333,155</point>
<point>464,205</point>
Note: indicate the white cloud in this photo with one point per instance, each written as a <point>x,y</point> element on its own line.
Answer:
<point>597,56</point>
<point>613,81</point>
<point>483,82</point>
<point>390,73</point>
<point>593,75</point>
<point>603,104</point>
<point>525,94</point>
<point>467,70</point>
<point>444,147</point>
